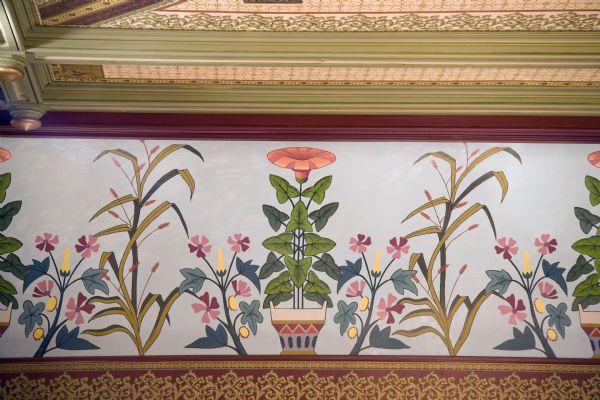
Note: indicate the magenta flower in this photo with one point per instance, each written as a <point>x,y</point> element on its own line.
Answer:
<point>356,288</point>
<point>545,244</point>
<point>514,311</point>
<point>208,308</point>
<point>87,247</point>
<point>547,290</point>
<point>508,249</point>
<point>360,243</point>
<point>241,288</point>
<point>239,243</point>
<point>386,308</point>
<point>199,246</point>
<point>43,288</point>
<point>74,311</point>
<point>46,243</point>
<point>398,246</point>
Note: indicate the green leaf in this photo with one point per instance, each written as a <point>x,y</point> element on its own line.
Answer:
<point>585,302</point>
<point>6,299</point>
<point>276,218</point>
<point>319,298</point>
<point>593,185</point>
<point>7,212</point>
<point>299,219</point>
<point>317,191</point>
<point>13,265</point>
<point>588,246</point>
<point>6,287</point>
<point>316,285</point>
<point>4,184</point>
<point>327,264</point>
<point>251,315</point>
<point>402,280</point>
<point>298,269</point>
<point>281,244</point>
<point>9,245</point>
<point>322,215</point>
<point>558,317</point>
<point>589,287</point>
<point>92,280</point>
<point>346,315</point>
<point>581,267</point>
<point>272,265</point>
<point>276,299</point>
<point>194,280</point>
<point>499,281</point>
<point>280,284</point>
<point>587,220</point>
<point>285,191</point>
<point>316,244</point>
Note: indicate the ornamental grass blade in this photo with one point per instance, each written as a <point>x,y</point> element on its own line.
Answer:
<point>185,175</point>
<point>429,204</point>
<point>115,229</point>
<point>425,231</point>
<point>164,153</point>
<point>113,204</point>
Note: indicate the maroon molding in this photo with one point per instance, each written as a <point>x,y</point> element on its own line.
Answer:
<point>316,127</point>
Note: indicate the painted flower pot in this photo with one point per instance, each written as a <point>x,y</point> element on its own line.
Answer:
<point>5,319</point>
<point>590,322</point>
<point>298,329</point>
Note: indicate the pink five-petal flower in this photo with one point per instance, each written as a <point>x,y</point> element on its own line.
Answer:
<point>356,288</point>
<point>387,307</point>
<point>398,246</point>
<point>74,311</point>
<point>547,290</point>
<point>87,247</point>
<point>238,243</point>
<point>46,243</point>
<point>241,288</point>
<point>545,244</point>
<point>360,243</point>
<point>514,311</point>
<point>507,247</point>
<point>208,307</point>
<point>199,246</point>
<point>43,288</point>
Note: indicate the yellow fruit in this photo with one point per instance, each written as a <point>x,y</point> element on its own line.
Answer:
<point>38,333</point>
<point>244,332</point>
<point>539,305</point>
<point>363,304</point>
<point>233,303</point>
<point>51,304</point>
<point>352,332</point>
<point>551,334</point>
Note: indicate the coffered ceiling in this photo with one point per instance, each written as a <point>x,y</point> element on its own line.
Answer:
<point>468,57</point>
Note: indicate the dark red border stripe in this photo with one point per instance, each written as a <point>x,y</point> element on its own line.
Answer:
<point>61,7</point>
<point>112,12</point>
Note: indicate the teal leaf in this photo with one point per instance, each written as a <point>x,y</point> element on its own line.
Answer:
<point>70,341</point>
<point>272,265</point>
<point>35,271</point>
<point>316,285</point>
<point>4,184</point>
<point>316,244</point>
<point>31,315</point>
<point>581,267</point>
<point>381,339</point>
<point>345,315</point>
<point>277,298</point>
<point>251,315</point>
<point>283,189</point>
<point>499,281</point>
<point>12,264</point>
<point>280,284</point>
<point>9,245</point>
<point>7,212</point>
<point>299,219</point>
<point>276,218</point>
<point>327,264</point>
<point>6,287</point>
<point>588,246</point>
<point>322,215</point>
<point>558,317</point>
<point>317,191</point>
<point>552,271</point>
<point>248,271</point>
<point>319,298</point>
<point>215,338</point>
<point>194,279</point>
<point>281,244</point>
<point>521,341</point>
<point>349,271</point>
<point>587,220</point>
<point>92,280</point>
<point>298,269</point>
<point>402,280</point>
<point>593,186</point>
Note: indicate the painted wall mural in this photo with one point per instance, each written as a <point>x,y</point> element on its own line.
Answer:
<point>330,248</point>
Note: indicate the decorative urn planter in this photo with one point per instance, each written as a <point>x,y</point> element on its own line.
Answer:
<point>590,322</point>
<point>298,329</point>
<point>5,319</point>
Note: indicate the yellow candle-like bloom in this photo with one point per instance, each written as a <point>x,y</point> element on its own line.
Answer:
<point>66,263</point>
<point>526,263</point>
<point>220,263</point>
<point>377,262</point>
